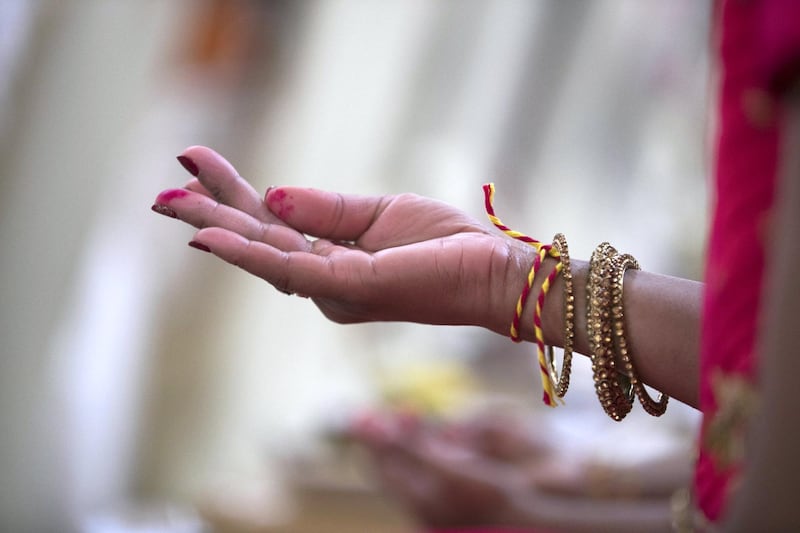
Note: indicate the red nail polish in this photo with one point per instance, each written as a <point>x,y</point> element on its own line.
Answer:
<point>199,246</point>
<point>189,165</point>
<point>164,210</point>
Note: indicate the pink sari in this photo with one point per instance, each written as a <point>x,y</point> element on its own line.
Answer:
<point>759,55</point>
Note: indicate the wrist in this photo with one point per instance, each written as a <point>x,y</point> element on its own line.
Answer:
<point>504,296</point>
<point>553,324</point>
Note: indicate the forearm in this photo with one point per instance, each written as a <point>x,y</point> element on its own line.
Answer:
<point>662,316</point>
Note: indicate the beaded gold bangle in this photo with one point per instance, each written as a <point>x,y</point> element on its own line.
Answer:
<point>613,389</point>
<point>652,407</point>
<point>562,382</point>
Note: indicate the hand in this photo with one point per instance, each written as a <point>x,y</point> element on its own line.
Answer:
<point>439,478</point>
<point>505,436</point>
<point>493,470</point>
<point>383,258</point>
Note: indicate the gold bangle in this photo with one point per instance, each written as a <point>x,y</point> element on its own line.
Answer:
<point>562,382</point>
<point>652,407</point>
<point>613,389</point>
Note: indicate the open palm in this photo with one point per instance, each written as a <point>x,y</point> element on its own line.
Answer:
<point>402,257</point>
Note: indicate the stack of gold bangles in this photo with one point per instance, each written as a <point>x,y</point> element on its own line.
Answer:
<point>615,378</point>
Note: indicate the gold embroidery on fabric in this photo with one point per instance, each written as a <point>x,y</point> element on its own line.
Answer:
<point>737,402</point>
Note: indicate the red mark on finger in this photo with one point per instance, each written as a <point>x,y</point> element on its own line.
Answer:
<point>280,203</point>
<point>276,195</point>
<point>171,194</point>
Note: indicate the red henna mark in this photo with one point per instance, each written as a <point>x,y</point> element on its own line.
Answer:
<point>278,200</point>
<point>278,196</point>
<point>284,211</point>
<point>171,194</point>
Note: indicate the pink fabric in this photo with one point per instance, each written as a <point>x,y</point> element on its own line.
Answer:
<point>780,31</point>
<point>759,47</point>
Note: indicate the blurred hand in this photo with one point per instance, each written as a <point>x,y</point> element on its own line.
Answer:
<point>439,478</point>
<point>401,257</point>
<point>473,473</point>
<point>503,436</point>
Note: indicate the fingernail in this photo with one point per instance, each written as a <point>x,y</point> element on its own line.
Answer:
<point>267,193</point>
<point>164,210</point>
<point>188,164</point>
<point>199,246</point>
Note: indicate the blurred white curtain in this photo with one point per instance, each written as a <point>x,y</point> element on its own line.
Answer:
<point>79,281</point>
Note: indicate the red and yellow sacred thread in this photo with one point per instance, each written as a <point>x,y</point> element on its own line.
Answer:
<point>549,394</point>
<point>523,297</point>
<point>488,200</point>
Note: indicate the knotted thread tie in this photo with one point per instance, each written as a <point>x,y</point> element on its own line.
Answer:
<point>543,250</point>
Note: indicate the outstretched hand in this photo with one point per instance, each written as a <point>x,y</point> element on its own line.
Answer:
<point>366,258</point>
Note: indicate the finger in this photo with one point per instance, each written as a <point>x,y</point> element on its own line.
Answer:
<point>201,211</point>
<point>380,428</point>
<point>567,478</point>
<point>503,436</point>
<point>296,272</point>
<point>326,214</point>
<point>462,466</point>
<point>371,428</point>
<point>220,178</point>
<point>407,480</point>
<point>395,458</point>
<point>194,185</point>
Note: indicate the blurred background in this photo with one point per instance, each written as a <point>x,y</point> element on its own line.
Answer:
<point>147,387</point>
